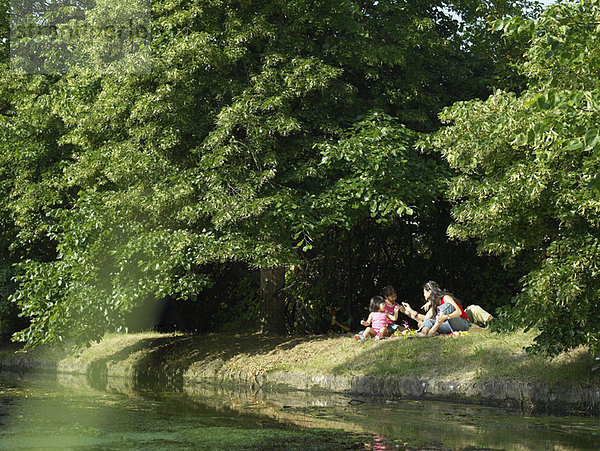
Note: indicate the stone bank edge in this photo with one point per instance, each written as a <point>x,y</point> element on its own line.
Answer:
<point>526,396</point>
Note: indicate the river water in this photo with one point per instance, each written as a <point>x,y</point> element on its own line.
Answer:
<point>68,412</point>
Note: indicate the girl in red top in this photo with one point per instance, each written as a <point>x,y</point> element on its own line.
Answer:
<point>391,307</point>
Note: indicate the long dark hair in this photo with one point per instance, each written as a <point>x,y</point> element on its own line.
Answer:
<point>437,294</point>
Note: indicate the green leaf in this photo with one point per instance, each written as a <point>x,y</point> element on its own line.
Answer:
<point>574,144</point>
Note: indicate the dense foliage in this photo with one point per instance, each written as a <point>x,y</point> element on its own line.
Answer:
<point>529,168</point>
<point>246,135</point>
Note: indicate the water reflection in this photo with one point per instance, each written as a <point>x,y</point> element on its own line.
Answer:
<point>415,423</point>
<point>65,411</point>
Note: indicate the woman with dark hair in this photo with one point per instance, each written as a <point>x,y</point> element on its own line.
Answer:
<point>445,315</point>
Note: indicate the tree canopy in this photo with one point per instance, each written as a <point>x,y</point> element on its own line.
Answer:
<point>528,174</point>
<point>238,131</point>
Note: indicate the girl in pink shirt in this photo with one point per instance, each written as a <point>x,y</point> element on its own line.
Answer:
<point>377,321</point>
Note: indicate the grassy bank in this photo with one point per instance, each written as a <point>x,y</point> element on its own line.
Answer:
<point>475,356</point>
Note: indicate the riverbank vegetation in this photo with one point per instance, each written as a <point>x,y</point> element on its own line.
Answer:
<point>477,356</point>
<point>236,165</point>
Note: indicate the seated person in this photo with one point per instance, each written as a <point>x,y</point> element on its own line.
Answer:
<point>376,323</point>
<point>445,314</point>
<point>478,315</point>
<point>391,308</point>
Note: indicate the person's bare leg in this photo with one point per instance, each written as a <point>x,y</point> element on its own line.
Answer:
<point>423,332</point>
<point>431,332</point>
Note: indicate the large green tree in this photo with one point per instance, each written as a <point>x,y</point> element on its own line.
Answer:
<point>255,128</point>
<point>528,166</point>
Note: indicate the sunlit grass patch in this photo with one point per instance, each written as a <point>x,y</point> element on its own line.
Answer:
<point>481,355</point>
<point>111,344</point>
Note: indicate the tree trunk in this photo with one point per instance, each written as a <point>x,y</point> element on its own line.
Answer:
<point>272,315</point>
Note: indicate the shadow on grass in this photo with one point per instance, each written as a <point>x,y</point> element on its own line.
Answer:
<point>162,361</point>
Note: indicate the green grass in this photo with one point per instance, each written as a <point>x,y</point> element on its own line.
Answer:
<point>475,356</point>
<point>113,344</point>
